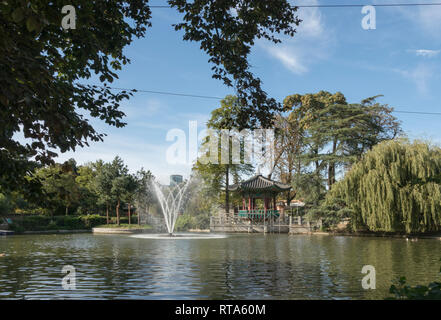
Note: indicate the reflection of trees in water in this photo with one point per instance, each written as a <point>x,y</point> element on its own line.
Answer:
<point>241,266</point>
<point>15,270</point>
<point>286,267</point>
<point>248,267</point>
<point>121,267</point>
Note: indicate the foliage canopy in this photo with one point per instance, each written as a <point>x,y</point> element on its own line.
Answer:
<point>394,187</point>
<point>41,94</point>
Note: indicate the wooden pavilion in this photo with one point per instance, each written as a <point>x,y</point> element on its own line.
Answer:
<point>259,187</point>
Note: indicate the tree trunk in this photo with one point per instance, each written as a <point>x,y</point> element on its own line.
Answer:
<point>331,166</point>
<point>117,213</point>
<point>331,175</point>
<point>317,173</point>
<point>67,206</point>
<point>290,196</point>
<point>227,193</point>
<point>107,213</point>
<point>130,217</point>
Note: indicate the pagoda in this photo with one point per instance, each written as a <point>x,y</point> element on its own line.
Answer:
<point>259,187</point>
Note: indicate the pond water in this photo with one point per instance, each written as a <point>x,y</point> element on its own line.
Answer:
<point>242,266</point>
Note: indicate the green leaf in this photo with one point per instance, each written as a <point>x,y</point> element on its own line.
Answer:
<point>32,24</point>
<point>18,15</point>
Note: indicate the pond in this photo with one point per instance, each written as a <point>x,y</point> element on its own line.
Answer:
<point>256,266</point>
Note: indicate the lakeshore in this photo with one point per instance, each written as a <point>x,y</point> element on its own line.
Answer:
<point>148,229</point>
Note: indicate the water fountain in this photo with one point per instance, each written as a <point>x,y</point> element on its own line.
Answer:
<point>171,200</point>
<point>170,204</point>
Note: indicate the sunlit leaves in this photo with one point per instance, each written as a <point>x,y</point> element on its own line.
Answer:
<point>41,66</point>
<point>395,187</point>
<point>226,31</point>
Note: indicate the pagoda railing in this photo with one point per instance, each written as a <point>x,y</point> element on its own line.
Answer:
<point>259,213</point>
<point>237,219</point>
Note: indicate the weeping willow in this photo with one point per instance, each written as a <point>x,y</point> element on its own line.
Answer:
<point>395,187</point>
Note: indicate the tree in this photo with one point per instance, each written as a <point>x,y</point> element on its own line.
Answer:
<point>104,186</point>
<point>5,204</point>
<point>287,149</point>
<point>87,185</point>
<point>227,30</point>
<point>42,64</point>
<point>144,194</point>
<point>372,124</point>
<point>59,184</point>
<point>198,206</point>
<point>118,175</point>
<point>336,133</point>
<point>395,187</point>
<point>130,190</point>
<point>41,94</point>
<point>217,175</point>
<point>307,114</point>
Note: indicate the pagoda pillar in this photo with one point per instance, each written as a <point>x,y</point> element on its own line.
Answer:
<point>265,201</point>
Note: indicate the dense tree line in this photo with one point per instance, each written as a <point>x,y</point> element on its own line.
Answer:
<point>318,137</point>
<point>344,160</point>
<point>94,188</point>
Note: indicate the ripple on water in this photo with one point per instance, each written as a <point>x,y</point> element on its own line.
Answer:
<point>249,266</point>
<point>179,236</point>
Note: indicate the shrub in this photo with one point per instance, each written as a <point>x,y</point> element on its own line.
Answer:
<point>401,291</point>
<point>69,222</point>
<point>40,222</point>
<point>93,220</point>
<point>202,221</point>
<point>34,222</point>
<point>5,204</point>
<point>17,228</point>
<point>125,219</point>
<point>35,211</point>
<point>52,225</point>
<point>185,222</point>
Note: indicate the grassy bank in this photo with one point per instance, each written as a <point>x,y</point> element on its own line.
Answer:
<point>125,226</point>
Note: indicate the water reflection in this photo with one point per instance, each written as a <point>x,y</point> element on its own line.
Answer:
<point>237,267</point>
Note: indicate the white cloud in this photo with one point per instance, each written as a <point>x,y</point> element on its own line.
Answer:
<point>312,24</point>
<point>309,45</point>
<point>289,57</point>
<point>426,53</point>
<point>420,75</point>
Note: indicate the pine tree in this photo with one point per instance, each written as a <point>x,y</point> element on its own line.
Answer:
<point>336,133</point>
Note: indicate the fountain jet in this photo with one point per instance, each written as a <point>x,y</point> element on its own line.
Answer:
<point>170,203</point>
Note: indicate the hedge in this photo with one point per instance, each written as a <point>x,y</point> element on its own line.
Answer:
<point>43,222</point>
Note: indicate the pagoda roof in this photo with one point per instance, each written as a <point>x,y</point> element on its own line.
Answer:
<point>259,183</point>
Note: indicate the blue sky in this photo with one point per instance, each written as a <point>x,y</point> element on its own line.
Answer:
<point>400,59</point>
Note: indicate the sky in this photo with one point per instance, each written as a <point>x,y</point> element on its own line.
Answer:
<point>400,59</point>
